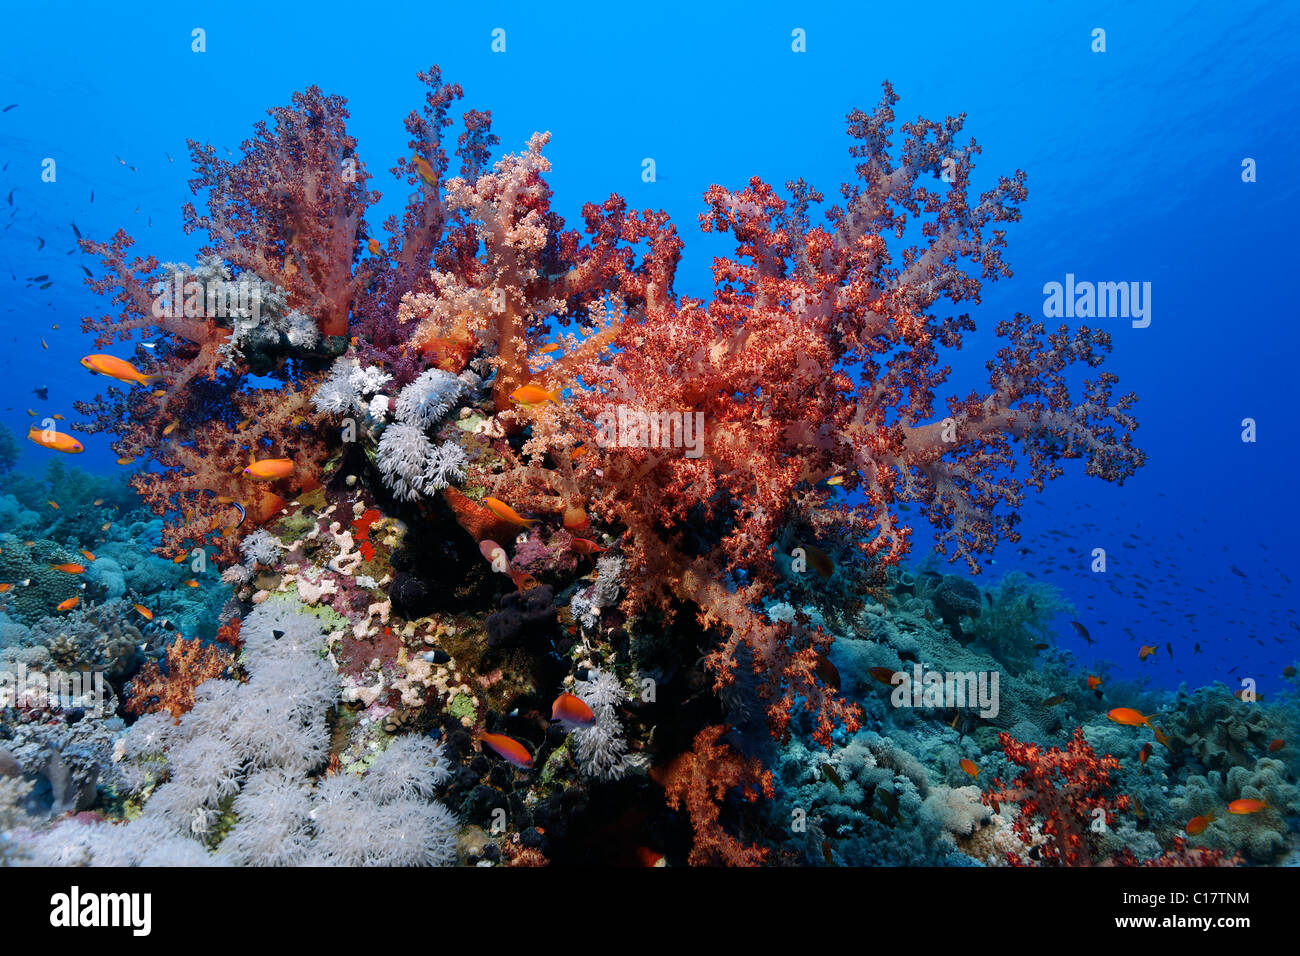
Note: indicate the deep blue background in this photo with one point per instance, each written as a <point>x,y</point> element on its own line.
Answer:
<point>1133,156</point>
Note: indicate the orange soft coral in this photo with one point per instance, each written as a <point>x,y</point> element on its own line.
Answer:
<point>171,688</point>
<point>700,780</point>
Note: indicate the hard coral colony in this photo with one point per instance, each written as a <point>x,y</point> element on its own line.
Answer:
<point>506,467</point>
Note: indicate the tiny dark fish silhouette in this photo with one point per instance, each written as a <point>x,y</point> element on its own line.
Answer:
<point>8,108</point>
<point>86,271</point>
<point>75,231</point>
<point>42,244</point>
<point>11,197</point>
<point>92,195</point>
<point>833,776</point>
<point>1041,647</point>
<point>1054,700</point>
<point>42,392</point>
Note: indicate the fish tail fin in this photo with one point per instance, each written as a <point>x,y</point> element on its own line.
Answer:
<point>554,395</point>
<point>151,379</point>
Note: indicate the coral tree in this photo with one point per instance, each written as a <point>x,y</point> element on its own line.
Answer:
<point>813,371</point>
<point>1063,794</point>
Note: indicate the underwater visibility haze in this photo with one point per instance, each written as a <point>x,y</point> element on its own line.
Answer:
<point>789,437</point>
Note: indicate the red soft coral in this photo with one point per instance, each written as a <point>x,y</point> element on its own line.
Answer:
<point>1063,794</point>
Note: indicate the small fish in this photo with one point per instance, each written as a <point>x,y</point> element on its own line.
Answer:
<point>535,395</point>
<point>105,526</point>
<point>53,504</point>
<point>586,548</point>
<point>97,502</point>
<point>819,560</point>
<point>553,347</point>
<point>1246,805</point>
<point>970,766</point>
<point>144,612</point>
<point>1276,745</point>
<point>55,441</point>
<point>888,798</point>
<point>1160,736</point>
<point>270,469</point>
<point>69,568</point>
<point>425,170</point>
<point>1093,681</point>
<point>5,588</point>
<point>523,582</point>
<point>1128,717</point>
<point>572,712</point>
<point>835,480</point>
<point>827,671</point>
<point>375,248</point>
<point>1055,699</point>
<point>191,583</point>
<point>7,109</point>
<point>179,558</point>
<point>67,605</point>
<point>87,555</point>
<point>57,416</point>
<point>171,427</point>
<point>1041,647</point>
<point>1196,825</point>
<point>1145,651</point>
<point>1288,671</point>
<point>120,369</point>
<point>833,776</point>
<point>884,675</point>
<point>1083,631</point>
<point>507,514</point>
<point>125,460</point>
<point>44,344</point>
<point>75,231</point>
<point>1145,752</point>
<point>435,657</point>
<point>509,749</point>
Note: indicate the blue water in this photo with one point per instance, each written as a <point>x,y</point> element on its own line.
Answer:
<point>1133,156</point>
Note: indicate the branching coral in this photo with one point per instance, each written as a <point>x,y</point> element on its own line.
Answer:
<point>171,687</point>
<point>1061,794</point>
<point>700,780</point>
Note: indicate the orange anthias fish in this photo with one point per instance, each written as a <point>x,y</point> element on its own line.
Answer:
<point>55,441</point>
<point>425,170</point>
<point>144,612</point>
<point>1246,805</point>
<point>506,513</point>
<point>179,558</point>
<point>1276,745</point>
<point>535,395</point>
<point>1196,825</point>
<point>270,469</point>
<point>119,369</point>
<point>87,555</point>
<point>191,583</point>
<point>970,766</point>
<point>374,247</point>
<point>69,568</point>
<point>1093,681</point>
<point>1128,717</point>
<point>1160,736</point>
<point>586,548</point>
<point>572,711</point>
<point>508,749</point>
<point>5,588</point>
<point>67,605</point>
<point>1145,752</point>
<point>1145,651</point>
